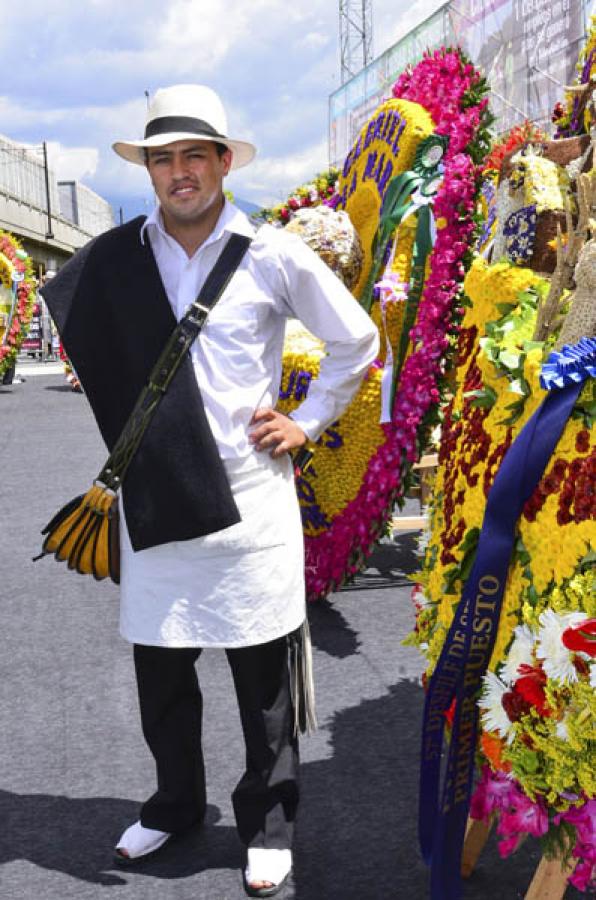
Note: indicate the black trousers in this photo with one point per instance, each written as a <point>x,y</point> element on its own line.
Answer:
<point>266,797</point>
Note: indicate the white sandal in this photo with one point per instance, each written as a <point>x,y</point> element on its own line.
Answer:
<point>265,864</point>
<point>139,842</point>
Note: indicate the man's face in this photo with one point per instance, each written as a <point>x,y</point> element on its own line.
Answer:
<point>187,177</point>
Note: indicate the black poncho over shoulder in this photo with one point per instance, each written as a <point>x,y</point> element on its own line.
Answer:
<point>111,309</point>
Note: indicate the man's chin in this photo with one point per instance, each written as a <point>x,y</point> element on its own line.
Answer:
<point>187,213</point>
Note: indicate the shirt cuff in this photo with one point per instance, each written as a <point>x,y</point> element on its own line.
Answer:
<point>310,425</point>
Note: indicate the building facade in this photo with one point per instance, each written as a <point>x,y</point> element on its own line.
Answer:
<point>527,50</point>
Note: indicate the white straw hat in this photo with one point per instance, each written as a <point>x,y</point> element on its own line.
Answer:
<point>184,112</point>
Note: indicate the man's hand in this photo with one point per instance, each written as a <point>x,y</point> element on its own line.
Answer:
<point>275,432</point>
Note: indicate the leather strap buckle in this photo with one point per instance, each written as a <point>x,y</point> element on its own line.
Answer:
<point>197,312</point>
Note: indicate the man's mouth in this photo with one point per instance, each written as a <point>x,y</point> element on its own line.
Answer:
<point>182,191</point>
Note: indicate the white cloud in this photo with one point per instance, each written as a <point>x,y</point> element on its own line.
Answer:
<point>72,163</point>
<point>393,23</point>
<point>314,40</point>
<point>78,80</point>
<point>269,180</point>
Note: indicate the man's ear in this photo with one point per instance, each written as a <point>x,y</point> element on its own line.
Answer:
<point>227,160</point>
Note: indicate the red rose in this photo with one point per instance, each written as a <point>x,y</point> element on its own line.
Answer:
<point>581,638</point>
<point>514,705</point>
<point>530,687</point>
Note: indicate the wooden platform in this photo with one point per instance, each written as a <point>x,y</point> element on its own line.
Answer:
<point>428,468</point>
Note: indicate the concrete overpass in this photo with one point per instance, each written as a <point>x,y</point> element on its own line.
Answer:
<point>52,219</point>
<point>30,225</point>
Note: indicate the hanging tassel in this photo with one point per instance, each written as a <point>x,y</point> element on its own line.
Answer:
<point>84,534</point>
<point>302,686</point>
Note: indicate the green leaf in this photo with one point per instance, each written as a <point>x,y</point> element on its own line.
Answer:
<point>451,576</point>
<point>521,552</point>
<point>509,359</point>
<point>517,410</point>
<point>470,539</point>
<point>506,308</point>
<point>517,387</point>
<point>484,397</point>
<point>530,761</point>
<point>588,561</point>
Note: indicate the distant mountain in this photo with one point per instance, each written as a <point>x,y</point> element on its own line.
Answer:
<point>246,206</point>
<point>142,206</point>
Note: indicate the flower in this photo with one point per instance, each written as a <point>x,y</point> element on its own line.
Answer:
<point>14,260</point>
<point>557,659</point>
<point>520,653</point>
<point>583,819</point>
<point>522,816</point>
<point>581,638</point>
<point>530,687</point>
<point>492,794</point>
<point>343,524</point>
<point>494,716</point>
<point>492,748</point>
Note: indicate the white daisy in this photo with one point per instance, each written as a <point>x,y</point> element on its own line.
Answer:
<point>520,653</point>
<point>593,676</point>
<point>493,716</point>
<point>557,659</point>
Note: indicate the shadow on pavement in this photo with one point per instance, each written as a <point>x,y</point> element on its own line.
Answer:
<point>60,388</point>
<point>356,835</point>
<point>330,631</point>
<point>389,565</point>
<point>76,837</point>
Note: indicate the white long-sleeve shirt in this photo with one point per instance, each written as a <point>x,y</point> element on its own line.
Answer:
<point>238,356</point>
<point>245,585</point>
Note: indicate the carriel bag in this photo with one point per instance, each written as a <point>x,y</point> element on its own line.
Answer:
<point>84,533</point>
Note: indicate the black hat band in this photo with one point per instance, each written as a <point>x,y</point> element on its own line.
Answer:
<point>172,124</point>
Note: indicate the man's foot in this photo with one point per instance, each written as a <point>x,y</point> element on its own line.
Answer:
<point>266,871</point>
<point>138,843</point>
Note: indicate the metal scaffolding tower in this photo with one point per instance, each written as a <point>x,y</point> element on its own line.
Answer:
<point>355,36</point>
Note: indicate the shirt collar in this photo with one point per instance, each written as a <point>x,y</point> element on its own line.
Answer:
<point>231,220</point>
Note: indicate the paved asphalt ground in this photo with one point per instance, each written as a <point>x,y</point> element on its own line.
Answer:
<point>73,764</point>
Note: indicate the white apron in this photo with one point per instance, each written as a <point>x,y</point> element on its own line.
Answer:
<point>236,588</point>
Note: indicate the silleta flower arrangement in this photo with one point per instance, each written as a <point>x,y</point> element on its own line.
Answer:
<point>573,117</point>
<point>17,298</point>
<point>537,749</point>
<point>413,172</point>
<point>315,192</point>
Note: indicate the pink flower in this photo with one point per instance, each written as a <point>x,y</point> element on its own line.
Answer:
<point>440,83</point>
<point>584,876</point>
<point>491,795</point>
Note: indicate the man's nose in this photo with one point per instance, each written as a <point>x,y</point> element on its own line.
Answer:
<point>179,167</point>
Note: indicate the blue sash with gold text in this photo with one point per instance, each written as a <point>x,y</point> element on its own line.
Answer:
<point>469,645</point>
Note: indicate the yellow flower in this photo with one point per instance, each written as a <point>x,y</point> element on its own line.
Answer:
<point>6,270</point>
<point>488,285</point>
<point>345,448</point>
<point>546,184</point>
<point>399,126</point>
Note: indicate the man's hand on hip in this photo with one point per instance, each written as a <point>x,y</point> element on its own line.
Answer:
<point>274,431</point>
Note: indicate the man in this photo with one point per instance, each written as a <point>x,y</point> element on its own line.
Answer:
<point>211,546</point>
